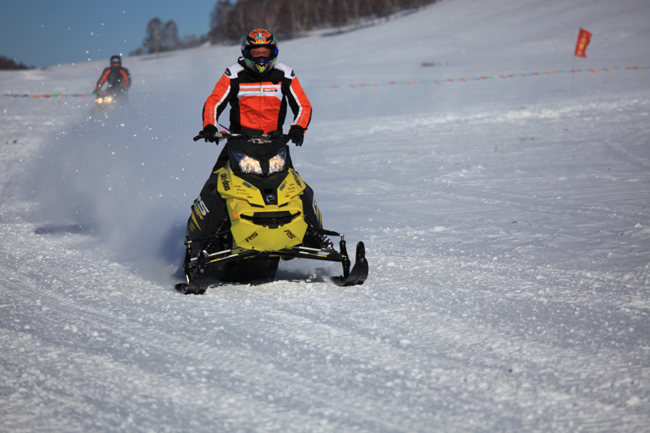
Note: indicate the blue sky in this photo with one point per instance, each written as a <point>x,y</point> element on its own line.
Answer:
<point>50,32</point>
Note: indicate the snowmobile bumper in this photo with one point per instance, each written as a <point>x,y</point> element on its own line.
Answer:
<point>356,276</point>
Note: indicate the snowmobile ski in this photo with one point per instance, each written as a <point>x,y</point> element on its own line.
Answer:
<point>197,286</point>
<point>359,272</point>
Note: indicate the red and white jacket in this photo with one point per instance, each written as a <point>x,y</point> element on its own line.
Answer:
<point>115,76</point>
<point>258,102</point>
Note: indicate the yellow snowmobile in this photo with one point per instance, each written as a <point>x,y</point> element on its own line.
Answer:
<point>253,211</point>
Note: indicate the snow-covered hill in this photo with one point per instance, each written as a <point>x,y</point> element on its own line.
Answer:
<point>504,202</point>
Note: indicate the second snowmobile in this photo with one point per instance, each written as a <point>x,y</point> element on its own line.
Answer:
<point>106,101</point>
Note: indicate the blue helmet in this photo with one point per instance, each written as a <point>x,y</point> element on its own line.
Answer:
<point>260,38</point>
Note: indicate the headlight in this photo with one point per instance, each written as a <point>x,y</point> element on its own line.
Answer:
<point>247,164</point>
<point>100,100</point>
<point>109,99</point>
<point>277,163</point>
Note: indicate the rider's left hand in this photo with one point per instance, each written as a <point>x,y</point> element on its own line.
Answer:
<point>297,134</point>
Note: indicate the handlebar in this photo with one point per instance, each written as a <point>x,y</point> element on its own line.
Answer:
<point>220,135</point>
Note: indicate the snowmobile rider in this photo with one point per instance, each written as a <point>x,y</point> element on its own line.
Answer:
<point>258,90</point>
<point>117,77</point>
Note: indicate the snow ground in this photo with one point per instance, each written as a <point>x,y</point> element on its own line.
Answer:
<point>506,221</point>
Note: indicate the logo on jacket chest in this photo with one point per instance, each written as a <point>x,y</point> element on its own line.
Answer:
<point>261,89</point>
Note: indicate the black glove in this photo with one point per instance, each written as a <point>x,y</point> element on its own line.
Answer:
<point>211,134</point>
<point>297,134</point>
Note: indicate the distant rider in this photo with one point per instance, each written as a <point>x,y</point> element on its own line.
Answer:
<point>258,90</point>
<point>118,79</point>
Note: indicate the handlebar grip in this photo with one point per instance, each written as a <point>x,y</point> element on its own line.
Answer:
<point>198,137</point>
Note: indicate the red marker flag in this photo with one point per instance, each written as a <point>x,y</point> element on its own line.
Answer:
<point>584,37</point>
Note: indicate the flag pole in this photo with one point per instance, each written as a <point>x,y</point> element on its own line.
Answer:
<point>573,68</point>
<point>581,49</point>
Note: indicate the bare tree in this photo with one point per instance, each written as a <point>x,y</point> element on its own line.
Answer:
<point>237,21</point>
<point>218,21</point>
<point>229,21</point>
<point>151,42</point>
<point>296,14</point>
<point>271,14</point>
<point>169,40</point>
<point>6,63</point>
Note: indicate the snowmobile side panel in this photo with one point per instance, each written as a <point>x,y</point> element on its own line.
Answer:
<point>291,188</point>
<point>230,186</point>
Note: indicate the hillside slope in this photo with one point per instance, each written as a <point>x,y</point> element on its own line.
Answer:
<point>506,219</point>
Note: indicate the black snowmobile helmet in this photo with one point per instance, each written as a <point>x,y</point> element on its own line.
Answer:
<point>116,59</point>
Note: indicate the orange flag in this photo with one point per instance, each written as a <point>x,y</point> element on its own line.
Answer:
<point>584,37</point>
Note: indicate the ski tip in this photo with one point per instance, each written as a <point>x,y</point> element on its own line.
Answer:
<point>361,250</point>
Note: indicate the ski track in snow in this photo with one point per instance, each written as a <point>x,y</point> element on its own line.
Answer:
<point>507,227</point>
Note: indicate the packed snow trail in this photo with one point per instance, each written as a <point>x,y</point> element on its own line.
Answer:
<point>506,223</point>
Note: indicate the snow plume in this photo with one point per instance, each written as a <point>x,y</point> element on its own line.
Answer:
<point>128,177</point>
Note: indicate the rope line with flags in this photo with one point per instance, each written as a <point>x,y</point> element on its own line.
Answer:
<point>52,95</point>
<point>480,78</point>
<point>393,82</point>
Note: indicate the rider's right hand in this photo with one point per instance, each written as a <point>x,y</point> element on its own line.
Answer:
<point>211,134</point>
